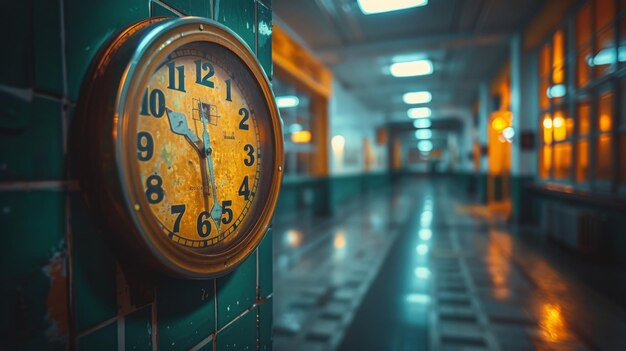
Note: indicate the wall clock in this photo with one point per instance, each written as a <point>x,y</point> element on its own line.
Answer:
<point>180,146</point>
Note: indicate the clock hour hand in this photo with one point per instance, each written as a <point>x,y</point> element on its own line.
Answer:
<point>216,210</point>
<point>178,125</point>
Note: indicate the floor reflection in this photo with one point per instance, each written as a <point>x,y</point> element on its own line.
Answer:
<point>422,268</point>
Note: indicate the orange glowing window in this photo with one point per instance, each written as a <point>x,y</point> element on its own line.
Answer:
<point>301,137</point>
<point>583,117</point>
<point>582,69</point>
<point>547,129</point>
<point>582,167</point>
<point>559,126</point>
<point>604,157</point>
<point>562,160</point>
<point>605,112</point>
<point>558,74</point>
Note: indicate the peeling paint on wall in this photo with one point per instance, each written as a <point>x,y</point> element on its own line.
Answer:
<point>57,313</point>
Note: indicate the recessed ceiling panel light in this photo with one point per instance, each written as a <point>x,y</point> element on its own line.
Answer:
<point>423,134</point>
<point>287,101</point>
<point>422,123</point>
<point>419,112</point>
<point>411,68</point>
<point>417,97</point>
<point>369,7</point>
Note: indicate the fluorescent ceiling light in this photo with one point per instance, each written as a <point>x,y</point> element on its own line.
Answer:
<point>417,97</point>
<point>411,68</point>
<point>423,134</point>
<point>419,112</point>
<point>425,145</point>
<point>287,101</point>
<point>369,7</point>
<point>422,123</point>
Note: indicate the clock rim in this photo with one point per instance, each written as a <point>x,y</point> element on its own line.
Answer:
<point>157,41</point>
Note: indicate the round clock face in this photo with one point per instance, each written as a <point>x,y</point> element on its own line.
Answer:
<point>186,170</point>
<point>198,145</point>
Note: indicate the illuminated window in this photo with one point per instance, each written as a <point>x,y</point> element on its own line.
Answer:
<point>605,112</point>
<point>583,118</point>
<point>582,167</point>
<point>547,129</point>
<point>605,53</point>
<point>559,126</point>
<point>562,160</point>
<point>558,58</point>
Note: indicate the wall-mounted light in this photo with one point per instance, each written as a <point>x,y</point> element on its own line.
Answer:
<point>411,68</point>
<point>508,133</point>
<point>422,123</point>
<point>287,101</point>
<point>370,7</point>
<point>419,112</point>
<point>607,57</point>
<point>417,97</point>
<point>337,143</point>
<point>556,91</point>
<point>301,137</point>
<point>423,134</point>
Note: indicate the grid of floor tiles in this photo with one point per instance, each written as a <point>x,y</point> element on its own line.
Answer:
<point>316,296</point>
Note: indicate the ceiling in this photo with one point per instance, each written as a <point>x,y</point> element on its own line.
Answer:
<point>467,40</point>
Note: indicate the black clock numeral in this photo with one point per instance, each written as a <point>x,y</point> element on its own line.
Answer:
<point>228,97</point>
<point>203,224</point>
<point>153,104</point>
<point>154,191</point>
<point>174,73</point>
<point>145,145</point>
<point>180,211</point>
<point>242,124</point>
<point>204,80</point>
<point>244,190</point>
<point>227,211</point>
<point>249,149</point>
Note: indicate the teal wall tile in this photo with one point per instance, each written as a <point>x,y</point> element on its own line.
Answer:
<point>186,312</point>
<point>32,257</point>
<point>200,8</point>
<point>238,15</point>
<point>241,335</point>
<point>138,330</point>
<point>265,325</point>
<point>16,19</point>
<point>236,291</point>
<point>103,339</point>
<point>266,277</point>
<point>88,25</point>
<point>94,269</point>
<point>16,115</point>
<point>39,141</point>
<point>264,39</point>
<point>47,46</point>
<point>157,10</point>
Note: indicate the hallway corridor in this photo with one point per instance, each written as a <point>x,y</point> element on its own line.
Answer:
<point>420,267</point>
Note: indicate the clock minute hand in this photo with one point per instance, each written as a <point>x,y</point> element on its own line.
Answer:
<point>216,210</point>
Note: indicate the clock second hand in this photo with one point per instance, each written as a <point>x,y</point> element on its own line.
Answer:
<point>216,209</point>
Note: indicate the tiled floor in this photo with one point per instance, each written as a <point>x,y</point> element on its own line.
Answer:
<point>413,269</point>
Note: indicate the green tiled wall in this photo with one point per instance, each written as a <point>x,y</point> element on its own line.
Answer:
<point>63,288</point>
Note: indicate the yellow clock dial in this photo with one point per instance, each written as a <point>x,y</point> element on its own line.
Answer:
<point>198,146</point>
